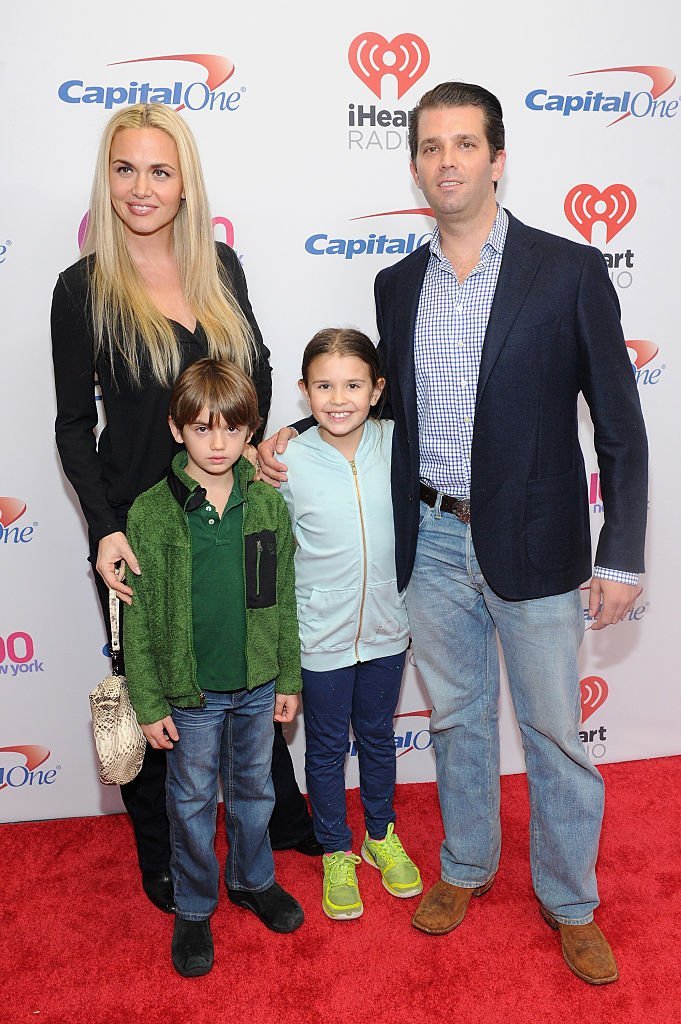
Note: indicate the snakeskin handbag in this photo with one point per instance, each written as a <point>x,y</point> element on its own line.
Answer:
<point>119,739</point>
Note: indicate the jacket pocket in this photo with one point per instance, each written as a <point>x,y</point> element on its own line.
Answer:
<point>555,518</point>
<point>261,569</point>
<point>385,614</point>
<point>545,331</point>
<point>328,620</point>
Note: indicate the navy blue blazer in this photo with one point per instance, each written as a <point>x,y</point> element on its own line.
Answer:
<point>554,331</point>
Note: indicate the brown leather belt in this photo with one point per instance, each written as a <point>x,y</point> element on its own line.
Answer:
<point>460,507</point>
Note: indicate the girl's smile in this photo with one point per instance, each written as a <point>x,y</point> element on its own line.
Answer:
<point>341,394</point>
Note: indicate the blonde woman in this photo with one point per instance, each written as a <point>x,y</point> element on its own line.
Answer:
<point>151,294</point>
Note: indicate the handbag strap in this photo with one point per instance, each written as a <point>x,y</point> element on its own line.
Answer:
<point>114,619</point>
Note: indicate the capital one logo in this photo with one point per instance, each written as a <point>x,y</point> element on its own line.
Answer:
<point>413,737</point>
<point>16,772</point>
<point>11,509</point>
<point>373,243</point>
<point>641,351</point>
<point>585,207</point>
<point>218,68</point>
<point>594,693</point>
<point>372,57</point>
<point>195,95</point>
<point>629,103</point>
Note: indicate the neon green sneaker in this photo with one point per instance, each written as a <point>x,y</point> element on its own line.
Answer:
<point>401,877</point>
<point>341,900</point>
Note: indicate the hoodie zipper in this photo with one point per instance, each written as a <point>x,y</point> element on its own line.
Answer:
<point>364,559</point>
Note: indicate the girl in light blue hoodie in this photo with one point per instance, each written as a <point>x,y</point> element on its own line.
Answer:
<point>353,621</point>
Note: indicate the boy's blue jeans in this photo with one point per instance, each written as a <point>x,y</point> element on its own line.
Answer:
<point>365,695</point>
<point>231,735</point>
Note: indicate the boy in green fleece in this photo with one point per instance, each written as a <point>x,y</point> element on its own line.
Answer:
<point>210,636</point>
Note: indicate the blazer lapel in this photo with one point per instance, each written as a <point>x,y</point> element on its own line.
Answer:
<point>519,265</point>
<point>409,286</point>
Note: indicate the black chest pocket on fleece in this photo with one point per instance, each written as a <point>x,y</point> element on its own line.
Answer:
<point>261,569</point>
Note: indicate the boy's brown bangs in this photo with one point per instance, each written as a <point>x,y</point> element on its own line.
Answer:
<point>223,403</point>
<point>219,387</point>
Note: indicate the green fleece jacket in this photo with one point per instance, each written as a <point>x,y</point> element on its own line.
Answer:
<point>158,636</point>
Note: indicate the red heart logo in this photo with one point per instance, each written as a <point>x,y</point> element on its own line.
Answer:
<point>371,57</point>
<point>594,692</point>
<point>585,206</point>
<point>11,509</point>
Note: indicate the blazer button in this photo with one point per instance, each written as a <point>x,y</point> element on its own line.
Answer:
<point>410,499</point>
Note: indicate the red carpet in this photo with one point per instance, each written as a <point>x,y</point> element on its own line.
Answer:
<point>80,942</point>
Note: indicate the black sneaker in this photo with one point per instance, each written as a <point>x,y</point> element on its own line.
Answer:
<point>274,906</point>
<point>192,948</point>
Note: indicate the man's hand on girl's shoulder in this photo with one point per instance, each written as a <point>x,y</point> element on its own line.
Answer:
<point>269,468</point>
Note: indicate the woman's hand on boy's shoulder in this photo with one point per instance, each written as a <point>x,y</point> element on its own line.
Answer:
<point>285,707</point>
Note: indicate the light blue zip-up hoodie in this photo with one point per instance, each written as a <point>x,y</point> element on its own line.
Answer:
<point>349,608</point>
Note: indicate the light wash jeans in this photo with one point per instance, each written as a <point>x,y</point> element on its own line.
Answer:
<point>232,734</point>
<point>454,617</point>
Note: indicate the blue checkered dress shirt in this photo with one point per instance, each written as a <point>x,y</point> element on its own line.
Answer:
<point>450,329</point>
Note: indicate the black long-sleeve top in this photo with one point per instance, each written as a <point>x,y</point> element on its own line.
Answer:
<point>135,447</point>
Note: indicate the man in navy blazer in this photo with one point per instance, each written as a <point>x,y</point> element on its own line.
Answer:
<point>488,336</point>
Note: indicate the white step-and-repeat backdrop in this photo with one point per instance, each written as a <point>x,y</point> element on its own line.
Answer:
<point>300,115</point>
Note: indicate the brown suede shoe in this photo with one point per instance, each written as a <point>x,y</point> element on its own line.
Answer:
<point>585,950</point>
<point>444,907</point>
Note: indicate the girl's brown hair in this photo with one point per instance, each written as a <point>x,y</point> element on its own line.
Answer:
<point>221,388</point>
<point>343,341</point>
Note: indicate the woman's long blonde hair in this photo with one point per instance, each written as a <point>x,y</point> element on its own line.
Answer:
<point>124,317</point>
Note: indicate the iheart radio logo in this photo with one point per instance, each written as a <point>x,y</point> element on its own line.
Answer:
<point>371,57</point>
<point>594,691</point>
<point>10,510</point>
<point>585,206</point>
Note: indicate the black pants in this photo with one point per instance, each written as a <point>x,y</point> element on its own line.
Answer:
<point>145,797</point>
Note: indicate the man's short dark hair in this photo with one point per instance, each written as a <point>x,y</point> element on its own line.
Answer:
<point>461,94</point>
